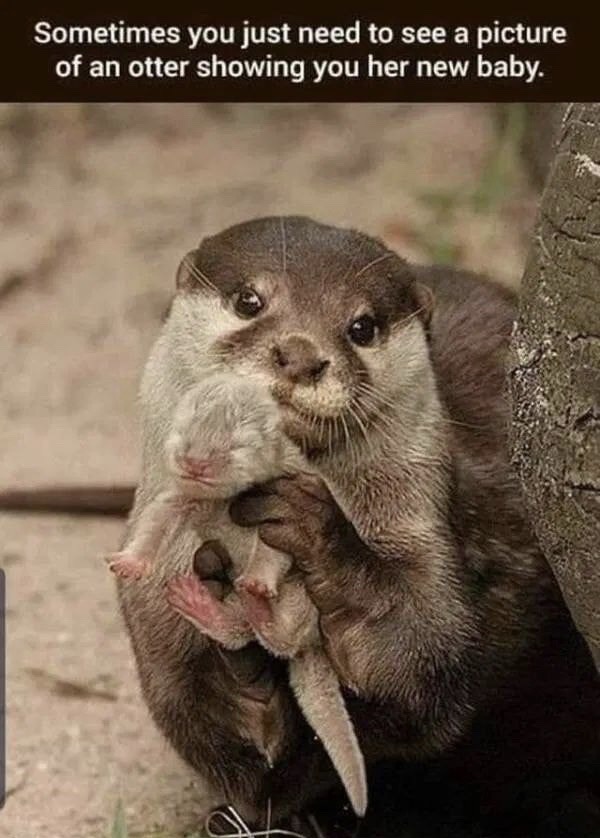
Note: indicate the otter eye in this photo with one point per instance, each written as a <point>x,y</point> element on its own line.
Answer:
<point>363,330</point>
<point>248,303</point>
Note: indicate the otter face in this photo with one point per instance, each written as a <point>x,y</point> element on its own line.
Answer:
<point>330,320</point>
<point>226,435</point>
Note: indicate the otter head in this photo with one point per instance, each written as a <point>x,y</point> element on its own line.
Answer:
<point>225,436</point>
<point>330,320</point>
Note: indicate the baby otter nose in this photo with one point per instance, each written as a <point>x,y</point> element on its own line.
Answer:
<point>297,359</point>
<point>201,469</point>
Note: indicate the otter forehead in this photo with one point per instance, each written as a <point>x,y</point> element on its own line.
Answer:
<point>315,268</point>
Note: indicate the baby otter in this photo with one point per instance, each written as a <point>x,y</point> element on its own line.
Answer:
<point>225,436</point>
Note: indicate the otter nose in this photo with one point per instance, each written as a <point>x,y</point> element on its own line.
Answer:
<point>297,359</point>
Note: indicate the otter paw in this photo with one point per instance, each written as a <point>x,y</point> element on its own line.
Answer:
<point>192,599</point>
<point>128,565</point>
<point>257,609</point>
<point>255,587</point>
<point>223,623</point>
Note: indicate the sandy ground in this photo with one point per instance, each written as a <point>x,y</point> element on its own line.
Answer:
<point>98,205</point>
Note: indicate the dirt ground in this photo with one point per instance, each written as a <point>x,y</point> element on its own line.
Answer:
<point>98,205</point>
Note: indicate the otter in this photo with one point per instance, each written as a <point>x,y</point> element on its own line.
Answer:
<point>437,610</point>
<point>224,437</point>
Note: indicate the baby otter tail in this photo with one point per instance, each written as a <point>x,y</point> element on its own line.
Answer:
<point>317,691</point>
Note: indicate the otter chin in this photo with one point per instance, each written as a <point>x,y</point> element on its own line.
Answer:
<point>312,433</point>
<point>313,420</point>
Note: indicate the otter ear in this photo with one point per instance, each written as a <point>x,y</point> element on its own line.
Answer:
<point>187,278</point>
<point>426,301</point>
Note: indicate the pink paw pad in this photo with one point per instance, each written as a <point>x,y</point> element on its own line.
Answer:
<point>193,600</point>
<point>257,608</point>
<point>128,565</point>
<point>254,587</point>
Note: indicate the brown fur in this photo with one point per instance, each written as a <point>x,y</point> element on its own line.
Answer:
<point>438,611</point>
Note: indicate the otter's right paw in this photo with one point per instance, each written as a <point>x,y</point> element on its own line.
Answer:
<point>128,565</point>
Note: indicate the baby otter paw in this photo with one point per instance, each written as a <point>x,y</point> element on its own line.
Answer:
<point>255,587</point>
<point>192,599</point>
<point>128,565</point>
<point>257,608</point>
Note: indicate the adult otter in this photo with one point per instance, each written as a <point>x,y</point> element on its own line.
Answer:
<point>446,625</point>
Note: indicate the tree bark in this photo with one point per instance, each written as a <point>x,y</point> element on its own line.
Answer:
<point>555,375</point>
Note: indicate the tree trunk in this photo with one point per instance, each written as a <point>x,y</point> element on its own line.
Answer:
<point>555,374</point>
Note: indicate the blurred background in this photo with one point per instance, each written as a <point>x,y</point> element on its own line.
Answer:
<point>99,203</point>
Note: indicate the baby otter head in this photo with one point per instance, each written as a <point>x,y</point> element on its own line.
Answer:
<point>330,320</point>
<point>226,435</point>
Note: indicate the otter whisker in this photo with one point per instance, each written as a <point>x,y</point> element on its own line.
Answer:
<point>199,275</point>
<point>381,421</point>
<point>355,450</point>
<point>350,447</point>
<point>374,262</point>
<point>353,410</point>
<point>351,267</point>
<point>339,421</point>
<point>366,389</point>
<point>376,398</point>
<point>362,436</point>
<point>329,439</point>
<point>363,411</point>
<point>408,317</point>
<point>196,271</point>
<point>378,411</point>
<point>316,426</point>
<point>413,456</point>
<point>374,422</point>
